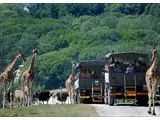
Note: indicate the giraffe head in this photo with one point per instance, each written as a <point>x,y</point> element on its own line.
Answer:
<point>21,56</point>
<point>154,53</point>
<point>35,51</point>
<point>73,62</point>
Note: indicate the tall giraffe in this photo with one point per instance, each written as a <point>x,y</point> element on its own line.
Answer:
<point>70,86</point>
<point>7,76</point>
<point>70,82</point>
<point>152,77</point>
<point>27,80</point>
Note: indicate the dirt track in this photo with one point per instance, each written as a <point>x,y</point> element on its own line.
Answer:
<point>123,111</point>
<point>118,111</point>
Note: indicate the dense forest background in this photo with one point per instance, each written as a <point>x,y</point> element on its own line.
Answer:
<point>66,32</point>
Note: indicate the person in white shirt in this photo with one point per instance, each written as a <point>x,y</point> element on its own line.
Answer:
<point>129,69</point>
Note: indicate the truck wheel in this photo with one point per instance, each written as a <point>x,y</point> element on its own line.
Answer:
<point>105,100</point>
<point>142,100</point>
<point>105,96</point>
<point>75,99</point>
<point>78,98</point>
<point>110,100</point>
<point>81,100</point>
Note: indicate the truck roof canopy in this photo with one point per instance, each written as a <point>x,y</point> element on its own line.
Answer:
<point>90,63</point>
<point>126,55</point>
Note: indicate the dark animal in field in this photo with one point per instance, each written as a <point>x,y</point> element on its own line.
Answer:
<point>62,97</point>
<point>44,96</point>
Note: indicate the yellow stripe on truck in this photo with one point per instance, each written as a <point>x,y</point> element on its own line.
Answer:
<point>84,96</point>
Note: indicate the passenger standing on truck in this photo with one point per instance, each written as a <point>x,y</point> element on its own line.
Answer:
<point>136,63</point>
<point>129,69</point>
<point>136,66</point>
<point>118,68</point>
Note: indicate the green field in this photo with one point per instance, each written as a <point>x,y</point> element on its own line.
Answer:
<point>50,111</point>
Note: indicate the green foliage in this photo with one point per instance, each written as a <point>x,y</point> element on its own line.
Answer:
<point>127,9</point>
<point>63,32</point>
<point>153,9</point>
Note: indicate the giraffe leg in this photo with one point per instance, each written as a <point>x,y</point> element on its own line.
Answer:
<point>4,95</point>
<point>149,93</point>
<point>23,98</point>
<point>153,112</point>
<point>70,99</point>
<point>72,94</point>
<point>14,102</point>
<point>10,99</point>
<point>17,102</point>
<point>153,97</point>
<point>28,99</point>
<point>11,95</point>
<point>28,96</point>
<point>149,98</point>
<point>28,92</point>
<point>31,97</point>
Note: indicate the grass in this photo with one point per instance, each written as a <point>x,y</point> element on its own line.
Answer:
<point>50,111</point>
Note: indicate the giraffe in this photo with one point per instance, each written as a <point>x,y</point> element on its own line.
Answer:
<point>70,86</point>
<point>27,79</point>
<point>17,77</point>
<point>70,82</point>
<point>6,77</point>
<point>152,77</point>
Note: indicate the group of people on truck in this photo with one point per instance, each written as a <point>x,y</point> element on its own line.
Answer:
<point>87,73</point>
<point>132,67</point>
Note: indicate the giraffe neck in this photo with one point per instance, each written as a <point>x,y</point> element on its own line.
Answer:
<point>31,67</point>
<point>12,65</point>
<point>155,64</point>
<point>72,77</point>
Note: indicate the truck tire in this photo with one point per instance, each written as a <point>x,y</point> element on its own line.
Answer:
<point>105,100</point>
<point>75,99</point>
<point>78,97</point>
<point>142,100</point>
<point>110,99</point>
<point>105,97</point>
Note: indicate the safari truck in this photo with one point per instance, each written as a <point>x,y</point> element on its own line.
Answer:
<point>89,87</point>
<point>125,78</point>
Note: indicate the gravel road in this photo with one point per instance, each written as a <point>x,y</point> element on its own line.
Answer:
<point>123,111</point>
